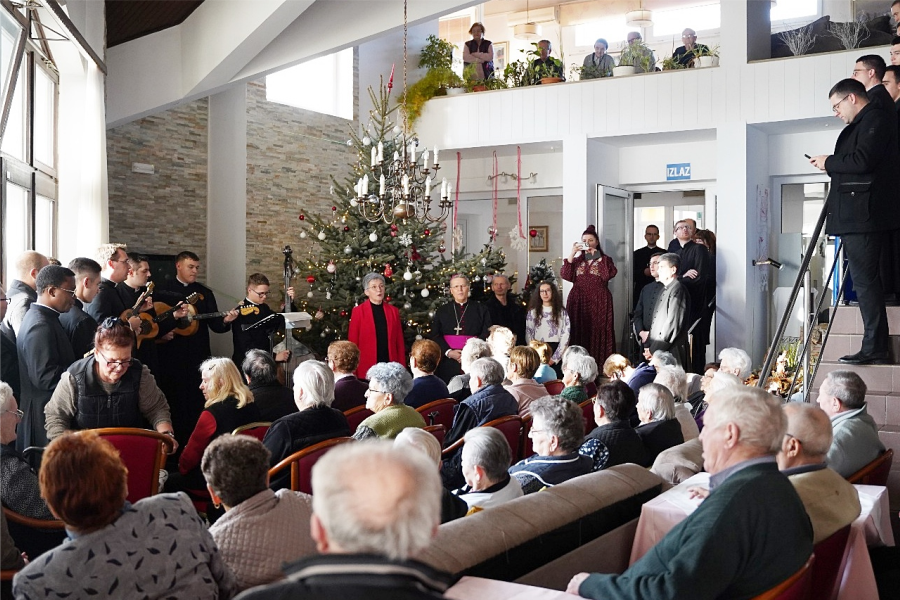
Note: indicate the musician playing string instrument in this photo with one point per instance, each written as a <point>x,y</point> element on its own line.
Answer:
<point>107,303</point>
<point>252,310</point>
<point>454,323</point>
<point>180,359</point>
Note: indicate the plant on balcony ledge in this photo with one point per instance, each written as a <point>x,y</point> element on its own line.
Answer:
<point>706,56</point>
<point>516,74</point>
<point>588,72</point>
<point>437,57</point>
<point>637,54</point>
<point>851,34</point>
<point>670,63</point>
<point>799,41</point>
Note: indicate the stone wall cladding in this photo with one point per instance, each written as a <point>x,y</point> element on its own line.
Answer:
<point>163,213</point>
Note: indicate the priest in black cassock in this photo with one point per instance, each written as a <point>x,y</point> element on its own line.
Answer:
<point>694,272</point>
<point>670,324</point>
<point>454,323</point>
<point>505,308</point>
<point>646,302</point>
<point>252,312</point>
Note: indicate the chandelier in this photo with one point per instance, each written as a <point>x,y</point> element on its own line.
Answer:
<point>406,182</point>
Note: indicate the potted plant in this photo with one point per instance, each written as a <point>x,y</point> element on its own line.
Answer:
<point>589,72</point>
<point>437,57</point>
<point>516,74</point>
<point>671,63</point>
<point>706,57</point>
<point>472,83</point>
<point>635,54</point>
<point>546,72</point>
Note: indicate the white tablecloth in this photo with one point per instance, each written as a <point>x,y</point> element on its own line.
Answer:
<point>476,588</point>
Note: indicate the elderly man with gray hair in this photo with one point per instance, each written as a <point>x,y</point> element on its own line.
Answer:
<point>843,398</point>
<point>659,428</point>
<point>830,500</point>
<point>489,401</point>
<point>485,461</point>
<point>750,534</point>
<point>675,379</point>
<point>735,361</point>
<point>389,383</point>
<point>314,422</point>
<point>375,327</point>
<point>374,508</point>
<point>474,349</point>
<point>452,507</point>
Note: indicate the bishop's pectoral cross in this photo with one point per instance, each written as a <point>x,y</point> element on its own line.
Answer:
<point>457,329</point>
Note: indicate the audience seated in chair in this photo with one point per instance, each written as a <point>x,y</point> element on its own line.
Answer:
<point>389,383</point>
<point>674,378</point>
<point>118,550</point>
<point>501,340</point>
<point>19,488</point>
<point>314,422</point>
<point>735,361</point>
<point>261,529</point>
<point>272,399</point>
<point>485,465</point>
<point>612,407</point>
<point>374,508</point>
<point>831,501</point>
<point>646,372</point>
<point>452,507</point>
<point>578,369</point>
<point>557,430</point>
<point>11,558</point>
<point>842,396</point>
<point>474,349</point>
<point>659,429</point>
<point>544,372</point>
<point>427,387</point>
<point>349,391</point>
<point>750,534</point>
<point>523,362</point>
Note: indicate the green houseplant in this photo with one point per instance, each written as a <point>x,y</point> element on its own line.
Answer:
<point>548,72</point>
<point>706,57</point>
<point>437,57</point>
<point>636,54</point>
<point>670,63</point>
<point>589,72</point>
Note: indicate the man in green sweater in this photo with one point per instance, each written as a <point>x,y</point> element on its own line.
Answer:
<point>749,535</point>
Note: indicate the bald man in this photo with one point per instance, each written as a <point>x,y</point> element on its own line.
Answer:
<point>830,500</point>
<point>22,291</point>
<point>686,54</point>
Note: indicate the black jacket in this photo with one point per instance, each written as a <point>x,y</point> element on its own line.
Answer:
<point>80,327</point>
<point>300,430</point>
<point>659,436</point>
<point>273,401</point>
<point>865,175</point>
<point>623,443</point>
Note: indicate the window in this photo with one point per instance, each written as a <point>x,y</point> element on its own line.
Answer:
<point>699,18</point>
<point>794,9</point>
<point>332,77</point>
<point>454,28</point>
<point>613,30</point>
<point>44,117</point>
<point>14,136</point>
<point>15,223</point>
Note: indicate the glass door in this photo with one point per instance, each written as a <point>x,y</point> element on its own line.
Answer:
<point>615,208</point>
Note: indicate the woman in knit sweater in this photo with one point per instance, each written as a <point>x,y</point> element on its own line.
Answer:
<point>548,321</point>
<point>261,529</point>
<point>389,383</point>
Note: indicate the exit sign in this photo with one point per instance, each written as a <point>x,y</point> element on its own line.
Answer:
<point>678,172</point>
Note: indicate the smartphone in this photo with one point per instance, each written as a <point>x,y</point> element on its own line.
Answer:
<point>807,156</point>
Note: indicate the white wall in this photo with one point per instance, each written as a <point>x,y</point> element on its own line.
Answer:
<point>647,163</point>
<point>786,152</point>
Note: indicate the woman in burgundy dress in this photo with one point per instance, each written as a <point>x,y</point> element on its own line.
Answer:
<point>590,303</point>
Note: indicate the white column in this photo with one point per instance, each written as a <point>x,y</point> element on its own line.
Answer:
<point>578,200</point>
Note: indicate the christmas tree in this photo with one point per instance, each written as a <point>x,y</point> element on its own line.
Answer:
<point>346,245</point>
<point>536,274</point>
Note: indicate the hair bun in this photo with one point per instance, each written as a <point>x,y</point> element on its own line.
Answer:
<point>592,231</point>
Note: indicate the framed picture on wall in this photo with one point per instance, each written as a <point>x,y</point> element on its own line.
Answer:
<point>501,50</point>
<point>538,243</point>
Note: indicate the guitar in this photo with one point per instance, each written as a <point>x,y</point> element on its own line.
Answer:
<point>188,325</point>
<point>149,328</point>
<point>164,311</point>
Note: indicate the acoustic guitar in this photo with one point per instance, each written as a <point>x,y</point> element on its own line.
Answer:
<point>188,325</point>
<point>164,311</point>
<point>149,329</point>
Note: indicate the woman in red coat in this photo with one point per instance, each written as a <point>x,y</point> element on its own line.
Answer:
<point>375,328</point>
<point>590,303</point>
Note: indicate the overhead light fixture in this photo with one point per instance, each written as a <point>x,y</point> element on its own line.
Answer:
<point>527,30</point>
<point>639,18</point>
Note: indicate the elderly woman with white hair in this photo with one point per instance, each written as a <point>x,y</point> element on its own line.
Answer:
<point>452,507</point>
<point>578,371</point>
<point>675,379</point>
<point>474,349</point>
<point>735,361</point>
<point>485,465</point>
<point>659,429</point>
<point>314,422</point>
<point>389,383</point>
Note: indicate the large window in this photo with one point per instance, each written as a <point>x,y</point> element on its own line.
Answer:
<point>673,21</point>
<point>323,85</point>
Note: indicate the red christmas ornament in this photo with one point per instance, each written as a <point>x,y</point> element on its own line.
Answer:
<point>393,227</point>
<point>343,313</point>
<point>310,280</point>
<point>302,216</point>
<point>346,228</point>
<point>427,232</point>
<point>442,248</point>
<point>333,208</point>
<point>533,233</point>
<point>388,271</point>
<point>393,234</point>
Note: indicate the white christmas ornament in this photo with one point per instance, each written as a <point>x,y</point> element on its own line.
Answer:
<point>348,249</point>
<point>322,235</point>
<point>396,130</point>
<point>516,241</point>
<point>302,235</point>
<point>366,141</point>
<point>331,268</point>
<point>405,239</point>
<point>373,237</point>
<point>353,202</point>
<point>328,295</point>
<point>309,294</point>
<point>418,337</point>
<point>430,314</point>
<point>407,276</point>
<point>407,306</point>
<point>320,315</point>
<point>425,293</point>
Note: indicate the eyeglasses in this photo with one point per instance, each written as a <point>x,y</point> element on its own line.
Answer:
<point>116,364</point>
<point>376,391</point>
<point>69,291</point>
<point>685,227</point>
<point>260,294</point>
<point>16,412</point>
<point>834,107</point>
<point>855,71</point>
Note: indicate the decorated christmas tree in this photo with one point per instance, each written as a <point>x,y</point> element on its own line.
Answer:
<point>346,245</point>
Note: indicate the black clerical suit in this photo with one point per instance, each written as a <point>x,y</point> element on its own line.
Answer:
<point>646,305</point>
<point>473,319</point>
<point>107,302</point>
<point>511,315</point>
<point>80,327</point>
<point>890,251</point>
<point>642,261</point>
<point>696,256</point>
<point>180,359</point>
<point>44,353</point>
<point>861,207</point>
<point>669,327</point>
<point>257,338</point>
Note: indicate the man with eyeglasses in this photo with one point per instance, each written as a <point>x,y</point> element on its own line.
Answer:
<point>685,54</point>
<point>107,303</point>
<point>454,323</point>
<point>44,350</point>
<point>251,311</point>
<point>865,177</point>
<point>643,272</point>
<point>375,327</point>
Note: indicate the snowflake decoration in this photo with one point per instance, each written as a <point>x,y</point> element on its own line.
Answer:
<point>405,239</point>
<point>516,241</point>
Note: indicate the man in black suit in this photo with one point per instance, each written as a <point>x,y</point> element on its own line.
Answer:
<point>891,82</point>
<point>80,326</point>
<point>641,263</point>
<point>669,324</point>
<point>44,351</point>
<point>864,183</point>
<point>107,303</point>
<point>505,308</point>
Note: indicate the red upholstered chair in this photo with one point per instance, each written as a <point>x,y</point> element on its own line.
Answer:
<point>144,454</point>
<point>587,407</point>
<point>829,555</point>
<point>876,472</point>
<point>526,447</point>
<point>257,430</point>
<point>554,387</point>
<point>795,587</point>
<point>590,388</point>
<point>511,428</point>
<point>437,431</point>
<point>302,461</point>
<point>357,415</point>
<point>439,412</point>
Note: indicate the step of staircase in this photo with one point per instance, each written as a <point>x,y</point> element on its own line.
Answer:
<point>847,320</point>
<point>842,344</point>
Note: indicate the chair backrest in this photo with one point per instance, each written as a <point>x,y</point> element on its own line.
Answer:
<point>829,555</point>
<point>590,388</point>
<point>302,461</point>
<point>876,472</point>
<point>795,587</point>
<point>257,430</point>
<point>554,387</point>
<point>438,431</point>
<point>144,454</point>
<point>439,412</point>
<point>357,415</point>
<point>511,428</point>
<point>587,408</point>
<point>34,536</point>
<point>526,449</point>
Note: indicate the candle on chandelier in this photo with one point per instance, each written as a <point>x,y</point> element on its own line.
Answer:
<point>412,152</point>
<point>365,186</point>
<point>425,158</point>
<point>444,187</point>
<point>428,187</point>
<point>359,188</point>
<point>381,186</point>
<point>380,152</point>
<point>406,185</point>
<point>435,155</point>
<point>374,156</point>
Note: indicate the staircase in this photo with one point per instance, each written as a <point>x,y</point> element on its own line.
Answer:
<point>883,381</point>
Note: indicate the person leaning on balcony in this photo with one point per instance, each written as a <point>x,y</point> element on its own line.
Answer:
<point>686,54</point>
<point>633,37</point>
<point>545,65</point>
<point>479,52</point>
<point>599,59</point>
